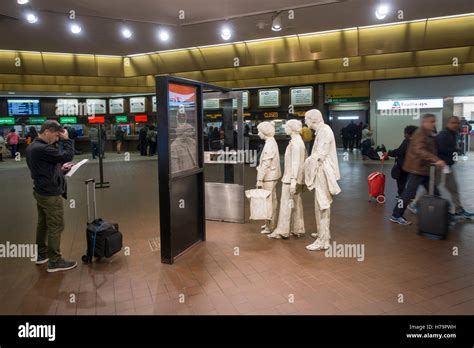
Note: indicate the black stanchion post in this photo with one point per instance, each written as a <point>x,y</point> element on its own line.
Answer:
<point>101,183</point>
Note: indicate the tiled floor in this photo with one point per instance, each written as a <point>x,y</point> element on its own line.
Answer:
<point>402,273</point>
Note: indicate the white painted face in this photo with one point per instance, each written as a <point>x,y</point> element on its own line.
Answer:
<point>288,130</point>
<point>262,136</point>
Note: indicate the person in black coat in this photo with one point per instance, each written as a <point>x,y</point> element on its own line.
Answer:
<point>397,172</point>
<point>142,138</point>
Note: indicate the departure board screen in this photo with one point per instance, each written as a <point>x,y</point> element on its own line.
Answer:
<point>23,107</point>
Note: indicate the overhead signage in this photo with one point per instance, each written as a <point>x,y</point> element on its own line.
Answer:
<point>7,120</point>
<point>268,98</point>
<point>410,104</point>
<point>153,101</point>
<point>141,118</point>
<point>245,100</point>
<point>65,107</point>
<point>346,92</point>
<point>96,106</point>
<point>121,119</point>
<point>211,104</point>
<point>116,106</point>
<point>23,107</point>
<point>68,120</point>
<point>301,96</point>
<point>96,119</point>
<point>137,104</point>
<point>37,120</point>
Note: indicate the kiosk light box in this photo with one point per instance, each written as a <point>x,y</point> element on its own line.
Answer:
<point>68,120</point>
<point>141,118</point>
<point>137,104</point>
<point>23,107</point>
<point>121,119</point>
<point>96,119</point>
<point>7,121</point>
<point>37,120</point>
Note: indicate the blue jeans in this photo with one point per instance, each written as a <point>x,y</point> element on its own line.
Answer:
<point>409,192</point>
<point>13,150</point>
<point>95,149</point>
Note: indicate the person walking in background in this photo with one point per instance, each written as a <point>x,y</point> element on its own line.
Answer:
<point>12,140</point>
<point>2,145</point>
<point>31,135</point>
<point>307,136</point>
<point>421,154</point>
<point>399,153</point>
<point>246,137</point>
<point>351,131</point>
<point>152,140</point>
<point>119,138</point>
<point>366,142</point>
<point>47,164</point>
<point>142,137</point>
<point>447,145</point>
<point>358,137</point>
<point>94,139</point>
<point>345,139</point>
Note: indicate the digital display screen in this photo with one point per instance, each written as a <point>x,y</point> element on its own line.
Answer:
<point>23,107</point>
<point>70,120</point>
<point>96,119</point>
<point>7,120</point>
<point>141,118</point>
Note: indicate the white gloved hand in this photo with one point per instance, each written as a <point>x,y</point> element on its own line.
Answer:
<point>293,187</point>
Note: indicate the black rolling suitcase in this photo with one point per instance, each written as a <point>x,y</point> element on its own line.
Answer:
<point>103,238</point>
<point>433,213</point>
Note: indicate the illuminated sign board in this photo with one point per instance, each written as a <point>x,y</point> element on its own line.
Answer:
<point>70,120</point>
<point>410,104</point>
<point>121,119</point>
<point>141,118</point>
<point>96,119</point>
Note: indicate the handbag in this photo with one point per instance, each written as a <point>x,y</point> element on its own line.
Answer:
<point>260,204</point>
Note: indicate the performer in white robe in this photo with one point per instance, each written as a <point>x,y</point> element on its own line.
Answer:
<point>268,170</point>
<point>291,218</point>
<point>321,173</point>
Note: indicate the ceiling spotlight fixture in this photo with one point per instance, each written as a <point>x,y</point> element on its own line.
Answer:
<point>164,35</point>
<point>126,33</point>
<point>22,2</point>
<point>31,18</point>
<point>381,11</point>
<point>277,22</point>
<point>11,93</point>
<point>75,28</point>
<point>226,33</point>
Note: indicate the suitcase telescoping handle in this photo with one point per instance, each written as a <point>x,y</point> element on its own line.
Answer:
<point>432,180</point>
<point>88,184</point>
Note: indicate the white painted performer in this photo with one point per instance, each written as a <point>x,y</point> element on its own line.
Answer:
<point>268,170</point>
<point>291,218</point>
<point>321,174</point>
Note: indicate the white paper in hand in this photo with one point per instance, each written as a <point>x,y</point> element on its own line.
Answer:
<point>76,167</point>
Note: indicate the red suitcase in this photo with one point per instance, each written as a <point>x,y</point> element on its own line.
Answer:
<point>376,182</point>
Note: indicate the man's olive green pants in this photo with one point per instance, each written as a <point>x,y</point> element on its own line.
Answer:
<point>50,225</point>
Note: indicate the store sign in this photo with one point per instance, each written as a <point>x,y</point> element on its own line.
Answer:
<point>299,113</point>
<point>153,101</point>
<point>301,96</point>
<point>410,104</point>
<point>68,120</point>
<point>211,104</point>
<point>7,120</point>
<point>96,106</point>
<point>37,120</point>
<point>268,98</point>
<point>347,92</point>
<point>116,106</point>
<point>214,116</point>
<point>121,119</point>
<point>245,100</point>
<point>137,104</point>
<point>96,119</point>
<point>273,114</point>
<point>141,118</point>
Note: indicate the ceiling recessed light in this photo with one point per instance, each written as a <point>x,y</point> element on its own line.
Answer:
<point>126,33</point>
<point>75,28</point>
<point>277,22</point>
<point>68,93</point>
<point>226,33</point>
<point>381,11</point>
<point>164,35</point>
<point>11,92</point>
<point>22,2</point>
<point>31,18</point>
